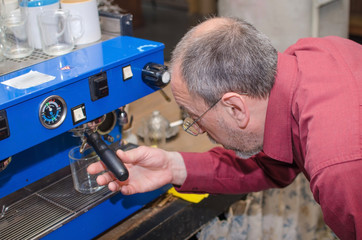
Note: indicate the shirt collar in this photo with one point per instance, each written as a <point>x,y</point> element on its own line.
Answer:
<point>278,132</point>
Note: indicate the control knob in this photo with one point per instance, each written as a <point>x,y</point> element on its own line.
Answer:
<point>156,75</point>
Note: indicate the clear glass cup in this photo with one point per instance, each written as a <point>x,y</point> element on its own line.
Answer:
<point>1,49</point>
<point>34,8</point>
<point>79,162</point>
<point>56,34</point>
<point>14,33</point>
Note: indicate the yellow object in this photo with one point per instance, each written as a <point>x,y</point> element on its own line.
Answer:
<point>190,197</point>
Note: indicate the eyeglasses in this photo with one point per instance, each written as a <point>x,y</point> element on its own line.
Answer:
<point>190,126</point>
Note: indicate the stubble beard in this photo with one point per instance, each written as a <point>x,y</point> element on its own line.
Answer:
<point>245,144</point>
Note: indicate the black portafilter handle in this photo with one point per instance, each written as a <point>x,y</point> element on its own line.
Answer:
<point>107,156</point>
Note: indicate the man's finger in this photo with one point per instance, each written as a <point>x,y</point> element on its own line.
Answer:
<point>127,190</point>
<point>95,168</point>
<point>105,178</point>
<point>114,187</point>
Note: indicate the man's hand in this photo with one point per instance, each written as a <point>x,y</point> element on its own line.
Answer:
<point>149,169</point>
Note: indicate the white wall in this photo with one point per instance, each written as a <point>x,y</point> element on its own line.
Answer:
<point>285,21</point>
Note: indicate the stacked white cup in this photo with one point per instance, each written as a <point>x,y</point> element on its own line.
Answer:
<point>88,11</point>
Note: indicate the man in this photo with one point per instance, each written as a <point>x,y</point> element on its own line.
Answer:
<point>279,114</point>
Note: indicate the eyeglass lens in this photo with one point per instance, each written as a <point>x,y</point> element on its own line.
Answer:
<point>191,127</point>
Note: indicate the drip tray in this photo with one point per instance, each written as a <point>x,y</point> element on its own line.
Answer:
<point>41,212</point>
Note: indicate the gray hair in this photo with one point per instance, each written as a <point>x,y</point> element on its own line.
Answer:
<point>232,57</point>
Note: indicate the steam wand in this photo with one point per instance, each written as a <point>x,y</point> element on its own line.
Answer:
<point>107,156</point>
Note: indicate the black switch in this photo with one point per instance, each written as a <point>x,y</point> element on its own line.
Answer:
<point>3,122</point>
<point>101,87</point>
<point>98,86</point>
<point>4,128</point>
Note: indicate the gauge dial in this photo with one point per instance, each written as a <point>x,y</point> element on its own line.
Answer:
<point>52,112</point>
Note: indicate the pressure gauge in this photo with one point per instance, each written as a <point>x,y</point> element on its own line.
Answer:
<point>52,112</point>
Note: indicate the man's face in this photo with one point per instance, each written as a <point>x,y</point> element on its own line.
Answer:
<point>217,123</point>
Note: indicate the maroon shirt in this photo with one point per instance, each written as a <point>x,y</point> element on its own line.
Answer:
<point>313,125</point>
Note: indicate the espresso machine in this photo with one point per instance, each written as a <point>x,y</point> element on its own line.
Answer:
<point>43,107</point>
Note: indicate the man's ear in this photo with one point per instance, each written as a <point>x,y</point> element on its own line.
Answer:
<point>237,108</point>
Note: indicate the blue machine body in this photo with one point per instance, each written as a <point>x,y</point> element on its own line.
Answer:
<point>37,151</point>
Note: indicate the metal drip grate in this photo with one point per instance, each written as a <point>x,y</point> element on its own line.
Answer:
<point>47,209</point>
<point>36,55</point>
<point>63,194</point>
<point>10,65</point>
<point>26,219</point>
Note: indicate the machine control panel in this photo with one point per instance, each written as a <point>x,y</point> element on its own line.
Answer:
<point>91,85</point>
<point>4,128</point>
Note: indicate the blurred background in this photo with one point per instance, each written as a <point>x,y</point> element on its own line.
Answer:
<point>284,21</point>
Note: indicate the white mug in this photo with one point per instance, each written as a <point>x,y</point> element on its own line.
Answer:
<point>88,10</point>
<point>56,33</point>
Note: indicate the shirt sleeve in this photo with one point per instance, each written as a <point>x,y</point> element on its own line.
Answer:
<point>221,171</point>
